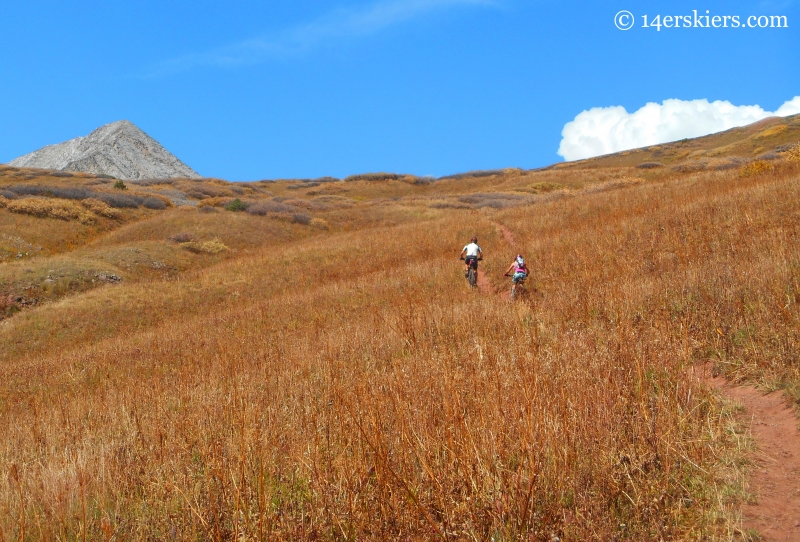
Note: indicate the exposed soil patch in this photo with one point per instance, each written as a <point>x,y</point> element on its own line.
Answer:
<point>775,479</point>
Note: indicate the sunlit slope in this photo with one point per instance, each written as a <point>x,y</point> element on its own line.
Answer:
<point>344,383</point>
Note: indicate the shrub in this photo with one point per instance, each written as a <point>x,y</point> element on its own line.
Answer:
<point>214,202</point>
<point>793,155</point>
<point>375,177</point>
<point>691,167</point>
<point>319,223</point>
<point>205,209</point>
<point>119,185</point>
<point>152,182</point>
<point>119,201</point>
<point>757,167</point>
<point>470,174</point>
<point>331,202</point>
<point>448,205</point>
<point>182,237</point>
<point>495,200</point>
<point>203,191</point>
<point>154,203</point>
<point>731,163</point>
<point>51,191</point>
<point>61,174</point>
<point>544,187</point>
<point>263,208</point>
<point>650,165</point>
<point>101,208</point>
<point>301,218</point>
<point>769,156</point>
<point>236,206</point>
<point>215,246</point>
<point>51,208</point>
<point>8,194</point>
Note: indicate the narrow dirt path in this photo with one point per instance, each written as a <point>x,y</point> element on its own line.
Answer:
<point>775,478</point>
<point>508,236</point>
<point>506,233</point>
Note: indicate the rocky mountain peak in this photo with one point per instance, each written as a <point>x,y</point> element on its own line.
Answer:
<point>119,149</point>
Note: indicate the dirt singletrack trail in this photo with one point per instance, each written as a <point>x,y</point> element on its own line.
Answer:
<point>507,235</point>
<point>483,282</point>
<point>775,478</point>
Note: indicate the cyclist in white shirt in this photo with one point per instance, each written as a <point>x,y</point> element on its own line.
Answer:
<point>471,252</point>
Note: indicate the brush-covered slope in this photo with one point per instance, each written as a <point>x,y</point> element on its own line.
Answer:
<point>119,149</point>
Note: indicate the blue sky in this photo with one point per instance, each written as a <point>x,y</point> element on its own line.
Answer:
<point>253,90</point>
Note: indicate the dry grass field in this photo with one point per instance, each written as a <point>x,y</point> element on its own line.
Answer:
<point>320,370</point>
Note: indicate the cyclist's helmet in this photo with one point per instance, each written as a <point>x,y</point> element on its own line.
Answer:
<point>474,239</point>
<point>520,260</point>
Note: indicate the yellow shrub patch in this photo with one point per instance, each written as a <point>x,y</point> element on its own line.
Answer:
<point>794,154</point>
<point>215,246</point>
<point>100,208</point>
<point>759,167</point>
<point>319,223</point>
<point>51,208</point>
<point>772,131</point>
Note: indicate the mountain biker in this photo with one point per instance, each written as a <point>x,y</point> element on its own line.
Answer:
<point>520,269</point>
<point>471,253</point>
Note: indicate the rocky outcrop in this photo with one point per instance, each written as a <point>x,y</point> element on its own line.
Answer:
<point>119,149</point>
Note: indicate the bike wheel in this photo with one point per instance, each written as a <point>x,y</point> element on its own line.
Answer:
<point>472,277</point>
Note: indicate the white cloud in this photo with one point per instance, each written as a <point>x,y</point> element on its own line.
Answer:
<point>604,130</point>
<point>339,24</point>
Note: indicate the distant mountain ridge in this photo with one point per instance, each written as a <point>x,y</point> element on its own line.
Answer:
<point>119,149</point>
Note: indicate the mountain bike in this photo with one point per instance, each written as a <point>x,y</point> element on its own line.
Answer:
<point>517,287</point>
<point>472,272</point>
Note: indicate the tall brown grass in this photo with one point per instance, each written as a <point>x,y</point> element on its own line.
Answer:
<point>348,386</point>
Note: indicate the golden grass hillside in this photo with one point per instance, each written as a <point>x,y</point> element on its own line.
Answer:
<point>344,384</point>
